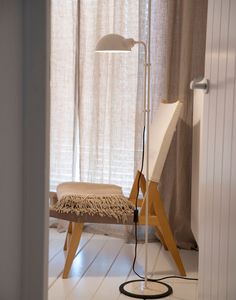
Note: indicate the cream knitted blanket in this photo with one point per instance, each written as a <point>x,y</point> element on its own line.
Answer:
<point>93,199</point>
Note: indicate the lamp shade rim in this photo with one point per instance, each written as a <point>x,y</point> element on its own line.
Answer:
<point>114,43</point>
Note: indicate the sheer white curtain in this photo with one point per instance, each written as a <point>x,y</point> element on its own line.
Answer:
<point>96,99</point>
<point>107,94</point>
<point>62,89</point>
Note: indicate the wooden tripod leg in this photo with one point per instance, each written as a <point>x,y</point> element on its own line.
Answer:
<point>165,227</point>
<point>160,237</point>
<point>68,236</point>
<point>135,188</point>
<point>74,242</point>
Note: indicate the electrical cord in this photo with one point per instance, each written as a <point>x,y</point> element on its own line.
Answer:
<point>136,205</point>
<point>136,225</point>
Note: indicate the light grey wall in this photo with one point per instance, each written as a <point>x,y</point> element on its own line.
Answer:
<point>35,149</point>
<point>24,114</point>
<point>11,198</point>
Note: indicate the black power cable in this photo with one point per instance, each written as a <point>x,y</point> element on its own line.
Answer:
<point>136,225</point>
<point>136,204</point>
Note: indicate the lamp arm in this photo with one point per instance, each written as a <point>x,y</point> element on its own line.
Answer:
<point>145,80</point>
<point>146,100</point>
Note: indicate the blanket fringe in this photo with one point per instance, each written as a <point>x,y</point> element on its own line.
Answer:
<point>113,206</point>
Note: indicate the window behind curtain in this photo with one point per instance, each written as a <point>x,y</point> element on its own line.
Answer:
<point>62,87</point>
<point>97,136</point>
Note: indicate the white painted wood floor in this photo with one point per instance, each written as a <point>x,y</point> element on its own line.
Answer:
<point>103,263</point>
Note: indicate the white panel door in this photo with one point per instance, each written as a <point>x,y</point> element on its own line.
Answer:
<point>217,181</point>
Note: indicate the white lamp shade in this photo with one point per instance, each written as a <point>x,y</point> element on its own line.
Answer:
<point>114,43</point>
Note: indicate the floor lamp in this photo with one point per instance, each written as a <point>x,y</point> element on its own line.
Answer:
<point>142,289</point>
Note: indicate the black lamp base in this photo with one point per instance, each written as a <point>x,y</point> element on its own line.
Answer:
<point>153,290</point>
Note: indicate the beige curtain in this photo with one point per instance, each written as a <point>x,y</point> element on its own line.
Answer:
<point>178,34</point>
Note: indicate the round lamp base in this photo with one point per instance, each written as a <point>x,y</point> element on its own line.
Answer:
<point>153,290</point>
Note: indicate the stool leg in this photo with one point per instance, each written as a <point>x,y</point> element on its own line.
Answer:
<point>68,236</point>
<point>160,236</point>
<point>74,243</point>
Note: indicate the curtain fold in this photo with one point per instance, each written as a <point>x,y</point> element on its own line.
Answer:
<point>62,90</point>
<point>181,46</point>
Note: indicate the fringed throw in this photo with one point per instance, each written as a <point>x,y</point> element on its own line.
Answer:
<point>113,206</point>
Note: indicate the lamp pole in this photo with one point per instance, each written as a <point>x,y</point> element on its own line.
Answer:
<point>146,122</point>
<point>142,289</point>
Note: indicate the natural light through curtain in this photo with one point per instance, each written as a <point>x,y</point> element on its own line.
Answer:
<point>96,99</point>
<point>62,90</point>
